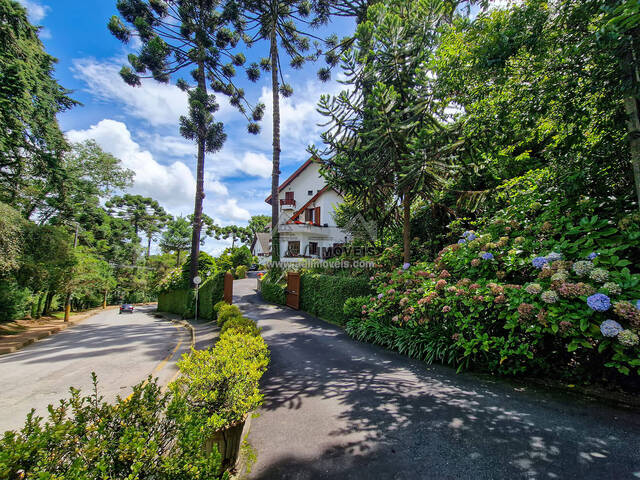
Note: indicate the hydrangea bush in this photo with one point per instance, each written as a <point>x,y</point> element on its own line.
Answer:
<point>545,294</point>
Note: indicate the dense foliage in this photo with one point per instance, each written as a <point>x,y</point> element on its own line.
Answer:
<point>324,295</point>
<point>545,287</point>
<point>149,435</point>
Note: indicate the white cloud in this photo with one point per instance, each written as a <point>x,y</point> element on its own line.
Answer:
<point>231,210</point>
<point>228,162</point>
<point>256,164</point>
<point>154,102</point>
<point>172,185</point>
<point>299,119</point>
<point>35,10</point>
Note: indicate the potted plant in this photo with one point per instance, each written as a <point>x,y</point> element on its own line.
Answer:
<point>223,382</point>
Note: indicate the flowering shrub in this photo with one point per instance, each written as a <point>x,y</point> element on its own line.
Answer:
<point>554,301</point>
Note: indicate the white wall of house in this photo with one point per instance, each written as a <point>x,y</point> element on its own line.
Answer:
<point>312,238</point>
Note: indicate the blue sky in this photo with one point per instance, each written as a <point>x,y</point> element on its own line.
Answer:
<point>139,125</point>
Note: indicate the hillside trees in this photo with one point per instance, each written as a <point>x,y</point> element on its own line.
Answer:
<point>31,144</point>
<point>536,86</point>
<point>176,36</point>
<point>383,134</point>
<point>176,237</point>
<point>285,25</point>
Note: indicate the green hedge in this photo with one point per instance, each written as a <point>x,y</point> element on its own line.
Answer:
<point>324,295</point>
<point>177,301</point>
<point>182,301</point>
<point>211,292</point>
<point>273,292</point>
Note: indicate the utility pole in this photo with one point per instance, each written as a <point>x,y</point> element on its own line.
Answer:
<point>67,303</point>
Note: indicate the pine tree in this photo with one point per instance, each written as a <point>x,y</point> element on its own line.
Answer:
<point>200,36</point>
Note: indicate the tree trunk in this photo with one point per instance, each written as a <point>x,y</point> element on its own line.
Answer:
<point>406,227</point>
<point>233,241</point>
<point>148,246</point>
<point>47,304</point>
<point>178,259</point>
<point>67,307</point>
<point>275,176</point>
<point>197,211</point>
<point>633,124</point>
<point>39,307</point>
<point>104,300</point>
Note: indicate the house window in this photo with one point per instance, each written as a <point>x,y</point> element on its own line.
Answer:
<point>293,248</point>
<point>313,248</point>
<point>309,192</point>
<point>308,215</point>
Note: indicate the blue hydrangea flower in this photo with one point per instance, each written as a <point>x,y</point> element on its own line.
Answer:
<point>487,256</point>
<point>610,328</point>
<point>592,255</point>
<point>467,234</point>
<point>638,304</point>
<point>539,262</point>
<point>462,240</point>
<point>471,237</point>
<point>553,256</point>
<point>380,295</point>
<point>599,302</point>
<point>406,266</point>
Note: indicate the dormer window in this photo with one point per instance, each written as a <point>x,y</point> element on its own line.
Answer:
<point>309,192</point>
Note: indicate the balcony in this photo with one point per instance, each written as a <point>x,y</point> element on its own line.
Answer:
<point>287,203</point>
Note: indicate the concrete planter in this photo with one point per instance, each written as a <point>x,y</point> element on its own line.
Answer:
<point>228,442</point>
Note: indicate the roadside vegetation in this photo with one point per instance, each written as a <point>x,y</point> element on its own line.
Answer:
<point>499,164</point>
<point>153,433</point>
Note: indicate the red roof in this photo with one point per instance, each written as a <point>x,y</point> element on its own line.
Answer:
<point>293,176</point>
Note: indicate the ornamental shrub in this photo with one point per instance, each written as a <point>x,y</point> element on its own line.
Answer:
<point>223,381</point>
<point>227,312</point>
<point>271,291</point>
<point>241,271</point>
<point>352,308</point>
<point>241,325</point>
<point>150,435</point>
<point>531,310</point>
<point>325,295</point>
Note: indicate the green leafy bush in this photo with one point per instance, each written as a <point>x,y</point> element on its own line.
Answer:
<point>545,288</point>
<point>181,302</point>
<point>218,306</point>
<point>15,301</point>
<point>325,295</point>
<point>227,312</point>
<point>241,325</point>
<point>352,308</point>
<point>224,381</point>
<point>211,292</point>
<point>241,271</point>
<point>273,292</point>
<point>150,435</point>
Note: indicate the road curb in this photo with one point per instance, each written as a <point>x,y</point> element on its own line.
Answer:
<point>40,335</point>
<point>183,323</point>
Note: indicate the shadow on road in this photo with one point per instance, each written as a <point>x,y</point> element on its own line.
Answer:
<point>387,416</point>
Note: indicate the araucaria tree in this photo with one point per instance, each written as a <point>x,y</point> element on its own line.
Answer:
<point>385,136</point>
<point>286,24</point>
<point>196,35</point>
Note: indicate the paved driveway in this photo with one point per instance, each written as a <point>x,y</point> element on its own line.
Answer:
<point>122,349</point>
<point>338,409</point>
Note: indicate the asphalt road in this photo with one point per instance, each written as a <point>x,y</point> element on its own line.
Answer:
<point>122,349</point>
<point>335,408</point>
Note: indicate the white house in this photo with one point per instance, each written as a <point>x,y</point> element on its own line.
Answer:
<point>306,225</point>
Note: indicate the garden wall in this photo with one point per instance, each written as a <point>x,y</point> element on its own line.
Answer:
<point>181,301</point>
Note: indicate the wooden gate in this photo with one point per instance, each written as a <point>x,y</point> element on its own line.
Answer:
<point>293,290</point>
<point>227,296</point>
